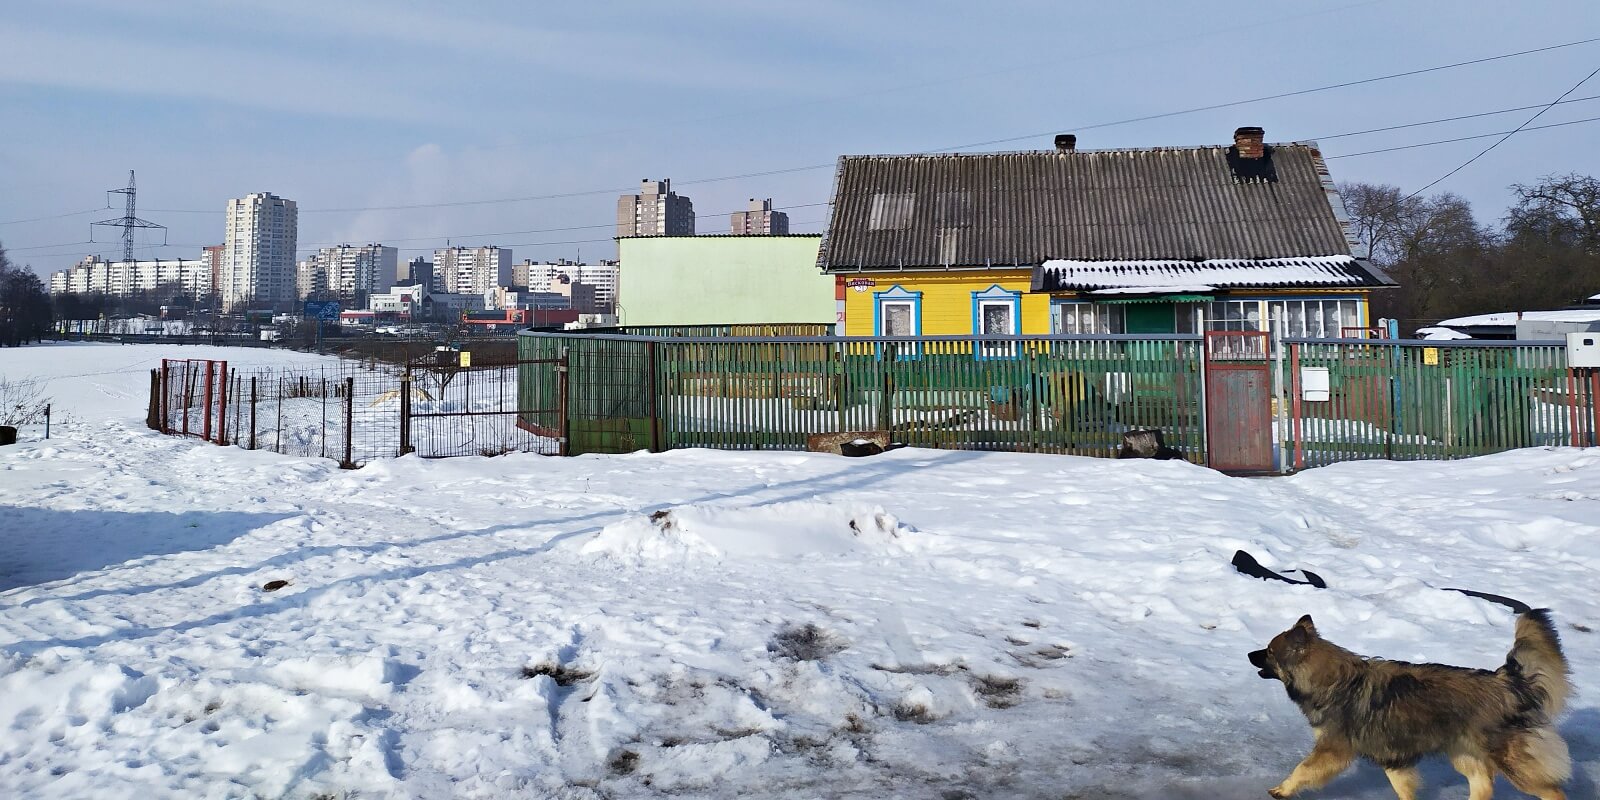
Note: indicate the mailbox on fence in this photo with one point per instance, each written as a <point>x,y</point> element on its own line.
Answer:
<point>1583,350</point>
<point>1314,384</point>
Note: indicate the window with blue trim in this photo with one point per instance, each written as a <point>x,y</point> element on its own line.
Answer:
<point>897,312</point>
<point>996,312</point>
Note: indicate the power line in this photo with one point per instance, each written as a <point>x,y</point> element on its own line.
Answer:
<point>54,216</point>
<point>1464,138</point>
<point>832,164</point>
<point>1501,140</point>
<point>1453,119</point>
<point>1281,95</point>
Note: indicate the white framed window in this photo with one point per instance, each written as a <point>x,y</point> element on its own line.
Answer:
<point>1086,318</point>
<point>996,312</point>
<point>897,318</point>
<point>897,312</point>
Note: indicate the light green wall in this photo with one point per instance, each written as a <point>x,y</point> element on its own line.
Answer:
<point>704,280</point>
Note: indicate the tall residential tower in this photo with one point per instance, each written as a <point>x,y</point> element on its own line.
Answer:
<point>655,211</point>
<point>258,266</point>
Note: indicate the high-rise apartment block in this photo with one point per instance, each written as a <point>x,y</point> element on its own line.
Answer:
<point>348,273</point>
<point>471,270</point>
<point>655,211</point>
<point>258,266</point>
<point>189,277</point>
<point>212,256</point>
<point>554,276</point>
<point>416,272</point>
<point>760,220</point>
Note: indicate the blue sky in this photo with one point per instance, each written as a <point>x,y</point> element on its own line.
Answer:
<point>342,104</point>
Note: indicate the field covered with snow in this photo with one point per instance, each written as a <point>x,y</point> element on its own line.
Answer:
<point>708,624</point>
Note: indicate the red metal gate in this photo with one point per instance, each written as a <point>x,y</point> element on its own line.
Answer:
<point>1238,401</point>
<point>194,398</point>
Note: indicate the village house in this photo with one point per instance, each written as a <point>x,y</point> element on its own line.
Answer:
<point>1150,240</point>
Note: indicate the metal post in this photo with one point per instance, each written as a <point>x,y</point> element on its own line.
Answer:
<point>655,409</point>
<point>253,412</point>
<point>47,420</point>
<point>222,407</point>
<point>561,404</point>
<point>405,413</point>
<point>349,420</point>
<point>205,421</point>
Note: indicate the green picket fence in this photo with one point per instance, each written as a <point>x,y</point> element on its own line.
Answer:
<point>1061,394</point>
<point>1409,400</point>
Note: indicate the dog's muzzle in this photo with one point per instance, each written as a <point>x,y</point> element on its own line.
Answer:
<point>1258,659</point>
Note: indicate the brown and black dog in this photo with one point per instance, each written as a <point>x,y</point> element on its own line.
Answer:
<point>1395,713</point>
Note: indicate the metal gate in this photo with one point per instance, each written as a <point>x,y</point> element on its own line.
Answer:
<point>1238,401</point>
<point>193,398</point>
<point>452,407</point>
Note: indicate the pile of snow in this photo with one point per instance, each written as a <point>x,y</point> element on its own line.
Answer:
<point>996,625</point>
<point>797,529</point>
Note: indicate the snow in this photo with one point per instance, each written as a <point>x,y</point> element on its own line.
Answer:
<point>724,624</point>
<point>1511,317</point>
<point>1440,334</point>
<point>1195,288</point>
<point>1175,275</point>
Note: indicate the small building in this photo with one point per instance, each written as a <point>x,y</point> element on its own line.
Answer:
<point>1146,240</point>
<point>708,280</point>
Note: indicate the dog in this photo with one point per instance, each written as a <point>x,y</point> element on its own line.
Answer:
<point>1395,713</point>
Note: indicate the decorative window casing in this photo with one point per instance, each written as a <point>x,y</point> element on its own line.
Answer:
<point>898,312</point>
<point>996,312</point>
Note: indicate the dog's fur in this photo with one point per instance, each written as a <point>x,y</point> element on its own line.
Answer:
<point>1395,713</point>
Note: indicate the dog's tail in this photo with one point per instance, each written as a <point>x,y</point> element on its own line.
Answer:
<point>1536,662</point>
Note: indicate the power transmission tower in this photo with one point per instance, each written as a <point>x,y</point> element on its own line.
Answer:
<point>128,221</point>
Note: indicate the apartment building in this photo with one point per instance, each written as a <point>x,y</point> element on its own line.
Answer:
<point>258,250</point>
<point>471,270</point>
<point>348,273</point>
<point>760,220</point>
<point>190,277</point>
<point>416,272</point>
<point>655,211</point>
<point>551,276</point>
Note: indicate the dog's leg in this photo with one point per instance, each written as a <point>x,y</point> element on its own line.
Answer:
<point>1407,781</point>
<point>1480,775</point>
<point>1329,757</point>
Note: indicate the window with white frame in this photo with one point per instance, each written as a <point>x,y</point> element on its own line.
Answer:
<point>898,318</point>
<point>1317,319</point>
<point>994,313</point>
<point>1234,315</point>
<point>1086,318</point>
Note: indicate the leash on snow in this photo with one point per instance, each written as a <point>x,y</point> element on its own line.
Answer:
<point>1246,564</point>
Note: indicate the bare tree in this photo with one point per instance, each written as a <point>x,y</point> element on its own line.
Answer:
<point>1561,207</point>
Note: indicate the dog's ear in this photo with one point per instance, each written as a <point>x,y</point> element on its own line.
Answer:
<point>1307,625</point>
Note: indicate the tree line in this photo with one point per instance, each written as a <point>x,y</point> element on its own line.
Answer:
<point>1542,254</point>
<point>25,313</point>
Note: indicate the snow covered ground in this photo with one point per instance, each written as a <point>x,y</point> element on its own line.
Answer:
<point>706,624</point>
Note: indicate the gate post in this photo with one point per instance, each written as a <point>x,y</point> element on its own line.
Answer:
<point>252,412</point>
<point>405,413</point>
<point>349,420</point>
<point>164,381</point>
<point>222,405</point>
<point>562,386</point>
<point>655,406</point>
<point>205,422</point>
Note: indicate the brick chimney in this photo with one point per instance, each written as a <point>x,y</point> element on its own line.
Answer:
<point>1066,143</point>
<point>1251,142</point>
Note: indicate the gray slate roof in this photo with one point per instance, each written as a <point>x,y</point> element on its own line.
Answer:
<point>1021,209</point>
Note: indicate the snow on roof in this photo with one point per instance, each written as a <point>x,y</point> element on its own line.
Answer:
<point>1509,318</point>
<point>1310,271</point>
<point>1440,334</point>
<point>1195,288</point>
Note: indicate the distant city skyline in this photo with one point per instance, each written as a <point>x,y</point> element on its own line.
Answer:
<point>760,101</point>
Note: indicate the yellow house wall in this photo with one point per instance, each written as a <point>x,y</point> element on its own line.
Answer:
<point>946,299</point>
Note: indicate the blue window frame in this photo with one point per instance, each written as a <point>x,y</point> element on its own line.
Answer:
<point>898,312</point>
<point>996,312</point>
